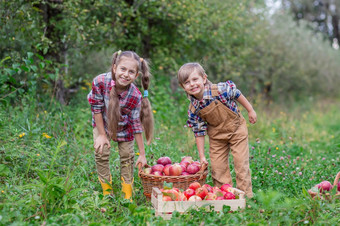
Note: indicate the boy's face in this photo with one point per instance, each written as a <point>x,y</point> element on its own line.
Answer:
<point>194,85</point>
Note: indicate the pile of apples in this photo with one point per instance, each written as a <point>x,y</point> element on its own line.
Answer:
<point>164,167</point>
<point>196,192</point>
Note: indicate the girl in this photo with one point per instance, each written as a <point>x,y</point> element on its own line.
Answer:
<point>213,111</point>
<point>120,113</point>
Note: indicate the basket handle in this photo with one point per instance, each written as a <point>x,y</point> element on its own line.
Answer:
<point>201,171</point>
<point>140,168</point>
<point>336,179</point>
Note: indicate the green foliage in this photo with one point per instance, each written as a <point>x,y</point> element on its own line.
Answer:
<point>48,173</point>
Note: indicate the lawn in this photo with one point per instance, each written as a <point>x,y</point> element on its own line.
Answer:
<point>48,174</point>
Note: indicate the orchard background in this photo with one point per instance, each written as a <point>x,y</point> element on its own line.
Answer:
<point>285,60</point>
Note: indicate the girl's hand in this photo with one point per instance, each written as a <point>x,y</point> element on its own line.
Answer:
<point>252,116</point>
<point>100,142</point>
<point>141,159</point>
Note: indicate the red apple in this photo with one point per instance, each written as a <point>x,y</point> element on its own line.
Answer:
<point>195,198</point>
<point>210,196</point>
<point>157,167</point>
<point>197,163</point>
<point>201,192</point>
<point>189,192</point>
<point>176,189</point>
<point>166,170</point>
<point>226,187</point>
<point>166,198</point>
<point>185,173</point>
<point>192,168</point>
<point>208,187</point>
<point>157,173</point>
<point>164,160</point>
<point>194,185</point>
<point>185,163</point>
<point>182,197</point>
<point>175,170</point>
<point>175,194</point>
<point>183,167</point>
<point>187,158</point>
<point>229,195</point>
<point>325,186</point>
<point>220,198</point>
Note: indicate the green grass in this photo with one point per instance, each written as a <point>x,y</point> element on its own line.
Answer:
<point>48,175</point>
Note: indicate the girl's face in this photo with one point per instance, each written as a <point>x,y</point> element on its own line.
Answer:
<point>125,72</point>
<point>194,85</point>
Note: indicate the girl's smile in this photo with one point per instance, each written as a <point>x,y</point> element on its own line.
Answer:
<point>125,72</point>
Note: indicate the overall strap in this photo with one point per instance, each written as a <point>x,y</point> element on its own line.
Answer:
<point>214,90</point>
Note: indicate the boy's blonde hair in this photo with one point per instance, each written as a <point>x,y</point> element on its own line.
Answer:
<point>186,69</point>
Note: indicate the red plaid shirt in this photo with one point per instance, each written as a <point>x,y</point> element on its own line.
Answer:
<point>130,104</point>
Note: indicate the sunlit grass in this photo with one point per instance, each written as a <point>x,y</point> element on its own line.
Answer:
<point>47,169</point>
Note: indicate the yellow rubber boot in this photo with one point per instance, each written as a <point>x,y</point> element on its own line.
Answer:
<point>107,188</point>
<point>127,189</point>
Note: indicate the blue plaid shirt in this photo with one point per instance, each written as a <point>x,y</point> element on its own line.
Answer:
<point>228,94</point>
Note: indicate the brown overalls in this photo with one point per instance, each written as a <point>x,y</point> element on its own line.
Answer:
<point>227,131</point>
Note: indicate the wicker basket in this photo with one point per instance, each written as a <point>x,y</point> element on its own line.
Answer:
<point>181,182</point>
<point>326,195</point>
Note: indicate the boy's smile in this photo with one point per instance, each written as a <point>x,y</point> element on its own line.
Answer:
<point>194,85</point>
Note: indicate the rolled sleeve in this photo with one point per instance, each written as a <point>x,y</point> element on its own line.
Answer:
<point>198,126</point>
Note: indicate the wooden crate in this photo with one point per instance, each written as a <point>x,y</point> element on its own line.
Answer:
<point>165,208</point>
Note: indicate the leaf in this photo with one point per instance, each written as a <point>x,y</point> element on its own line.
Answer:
<point>34,68</point>
<point>10,71</point>
<point>29,54</point>
<point>226,209</point>
<point>4,170</point>
<point>168,185</point>
<point>3,60</point>
<point>171,195</point>
<point>42,177</point>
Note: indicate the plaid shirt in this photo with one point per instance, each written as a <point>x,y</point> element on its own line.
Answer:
<point>130,104</point>
<point>228,95</point>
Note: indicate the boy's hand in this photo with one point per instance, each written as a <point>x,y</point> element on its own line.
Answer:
<point>252,116</point>
<point>203,160</point>
<point>100,142</point>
